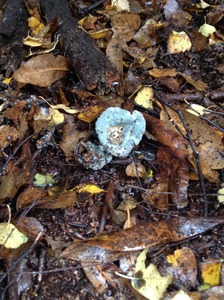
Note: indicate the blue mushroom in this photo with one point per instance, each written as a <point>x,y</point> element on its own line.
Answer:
<point>119,131</point>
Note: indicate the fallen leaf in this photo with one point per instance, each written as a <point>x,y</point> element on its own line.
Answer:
<point>43,180</point>
<point>183,268</point>
<point>197,110</point>
<point>164,135</point>
<point>157,73</point>
<point>11,237</point>
<point>35,25</point>
<point>144,97</point>
<point>135,170</point>
<point>198,84</point>
<point>207,30</point>
<point>207,141</point>
<point>42,70</point>
<point>125,25</point>
<point>8,135</point>
<point>121,5</point>
<point>150,235</point>
<point>89,114</point>
<point>175,15</point>
<point>211,271</point>
<point>89,188</point>
<point>178,42</point>
<point>148,281</point>
<point>221,195</point>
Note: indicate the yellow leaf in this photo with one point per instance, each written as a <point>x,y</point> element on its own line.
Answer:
<point>210,272</point>
<point>99,34</point>
<point>207,30</point>
<point>11,237</point>
<point>89,188</point>
<point>7,80</point>
<point>178,42</point>
<point>35,25</point>
<point>148,281</point>
<point>197,110</point>
<point>56,116</point>
<point>65,108</point>
<point>221,195</point>
<point>145,97</point>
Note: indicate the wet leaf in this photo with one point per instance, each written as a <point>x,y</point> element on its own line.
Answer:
<point>149,282</point>
<point>164,135</point>
<point>183,267</point>
<point>211,271</point>
<point>89,188</point>
<point>11,237</point>
<point>150,235</point>
<point>42,70</point>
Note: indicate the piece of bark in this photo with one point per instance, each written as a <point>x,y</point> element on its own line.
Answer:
<point>13,28</point>
<point>89,63</point>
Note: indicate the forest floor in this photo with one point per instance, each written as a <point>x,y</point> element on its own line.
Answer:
<point>84,187</point>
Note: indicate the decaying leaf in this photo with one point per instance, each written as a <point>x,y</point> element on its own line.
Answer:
<point>211,271</point>
<point>8,134</point>
<point>148,281</point>
<point>42,70</point>
<point>179,42</point>
<point>150,235</point>
<point>43,180</point>
<point>183,267</point>
<point>136,170</point>
<point>207,142</point>
<point>11,237</point>
<point>121,5</point>
<point>174,14</point>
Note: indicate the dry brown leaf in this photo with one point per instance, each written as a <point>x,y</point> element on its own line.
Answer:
<point>71,136</point>
<point>207,141</point>
<point>135,170</point>
<point>157,73</point>
<point>125,25</point>
<point>89,114</point>
<point>30,226</point>
<point>42,70</point>
<point>114,53</point>
<point>166,136</point>
<point>8,135</point>
<point>14,178</point>
<point>198,84</point>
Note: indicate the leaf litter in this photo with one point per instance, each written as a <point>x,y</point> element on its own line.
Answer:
<point>171,177</point>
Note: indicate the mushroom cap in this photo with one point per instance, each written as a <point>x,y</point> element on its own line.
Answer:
<point>119,131</point>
